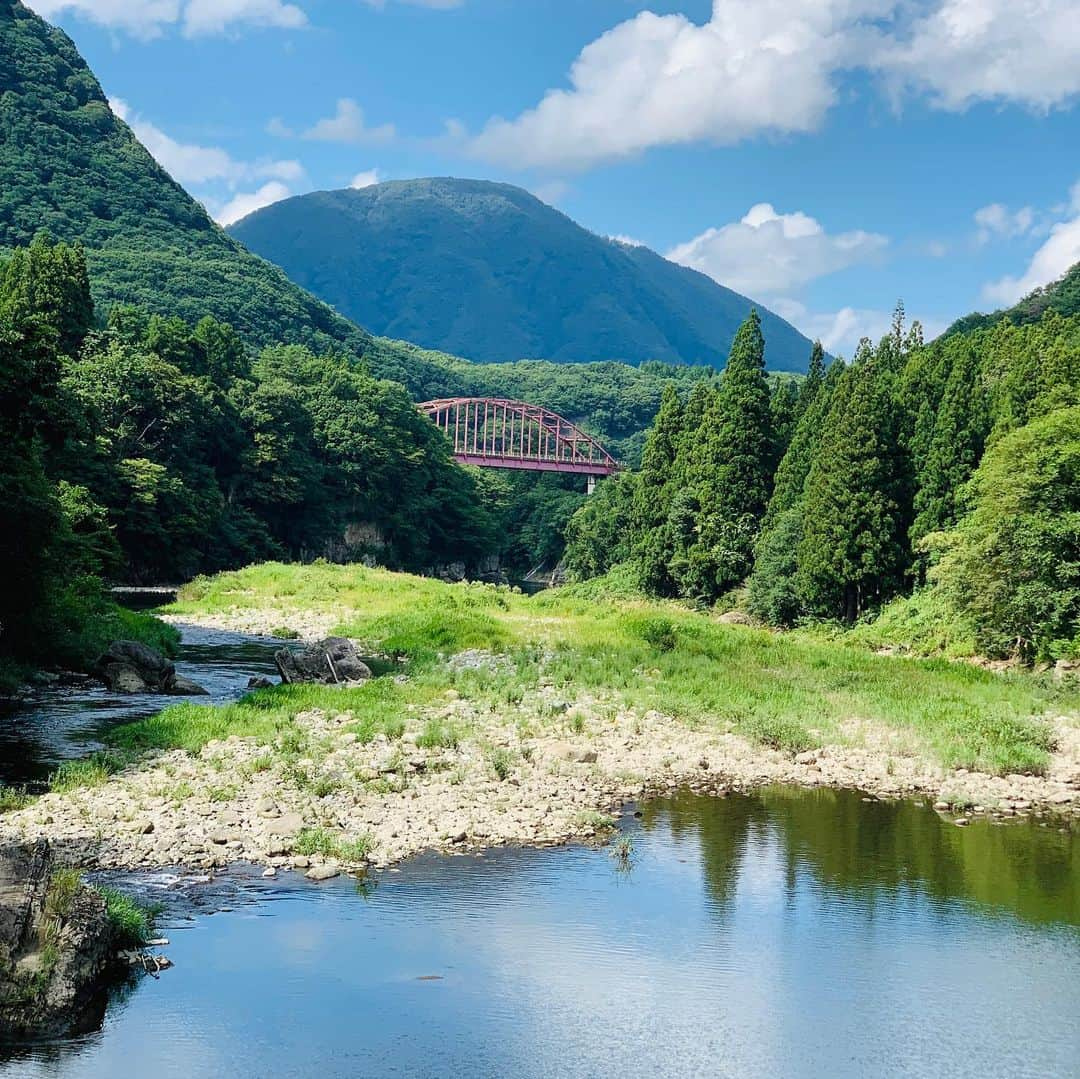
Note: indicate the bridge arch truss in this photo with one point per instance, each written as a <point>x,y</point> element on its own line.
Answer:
<point>497,432</point>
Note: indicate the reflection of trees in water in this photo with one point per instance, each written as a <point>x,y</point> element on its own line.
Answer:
<point>874,850</point>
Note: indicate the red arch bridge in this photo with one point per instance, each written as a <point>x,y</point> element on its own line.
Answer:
<point>495,432</point>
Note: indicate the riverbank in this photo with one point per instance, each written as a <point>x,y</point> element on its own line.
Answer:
<point>531,720</point>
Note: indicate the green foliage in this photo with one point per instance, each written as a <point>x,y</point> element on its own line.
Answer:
<point>131,921</point>
<point>855,512</point>
<point>93,771</point>
<point>1012,565</point>
<point>321,841</point>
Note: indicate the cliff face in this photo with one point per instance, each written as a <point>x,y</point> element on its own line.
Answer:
<point>57,946</point>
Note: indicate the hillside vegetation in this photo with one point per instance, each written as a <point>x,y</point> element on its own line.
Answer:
<point>489,272</point>
<point>942,478</point>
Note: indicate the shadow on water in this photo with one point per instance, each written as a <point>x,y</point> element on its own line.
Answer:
<point>785,933</point>
<point>58,723</point>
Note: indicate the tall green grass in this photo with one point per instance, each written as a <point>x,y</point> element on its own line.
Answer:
<point>788,691</point>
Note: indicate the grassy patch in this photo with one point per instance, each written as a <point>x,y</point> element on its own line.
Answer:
<point>92,771</point>
<point>439,734</point>
<point>787,691</point>
<point>12,798</point>
<point>132,922</point>
<point>329,844</point>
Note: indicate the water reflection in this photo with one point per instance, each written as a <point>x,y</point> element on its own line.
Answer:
<point>792,933</point>
<point>876,850</point>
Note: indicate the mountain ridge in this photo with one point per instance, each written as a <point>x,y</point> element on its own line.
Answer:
<point>487,271</point>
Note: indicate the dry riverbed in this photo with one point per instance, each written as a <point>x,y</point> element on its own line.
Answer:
<point>544,770</point>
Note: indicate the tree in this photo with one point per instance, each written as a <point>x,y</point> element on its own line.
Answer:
<point>1012,565</point>
<point>855,513</point>
<point>728,471</point>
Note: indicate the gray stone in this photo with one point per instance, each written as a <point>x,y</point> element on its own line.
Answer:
<point>322,872</point>
<point>185,687</point>
<point>333,661</point>
<point>289,824</point>
<point>259,682</point>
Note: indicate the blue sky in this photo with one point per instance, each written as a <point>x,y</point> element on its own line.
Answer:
<point>825,157</point>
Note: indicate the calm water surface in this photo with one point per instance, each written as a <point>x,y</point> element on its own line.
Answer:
<point>791,933</point>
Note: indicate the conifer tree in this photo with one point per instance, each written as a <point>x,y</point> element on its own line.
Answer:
<point>956,446</point>
<point>815,378</point>
<point>729,472</point>
<point>853,551</point>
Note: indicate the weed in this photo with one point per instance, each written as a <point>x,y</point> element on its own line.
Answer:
<point>438,734</point>
<point>92,771</point>
<point>501,760</point>
<point>12,798</point>
<point>132,922</point>
<point>322,841</point>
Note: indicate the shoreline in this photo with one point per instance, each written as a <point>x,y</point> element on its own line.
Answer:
<point>321,799</point>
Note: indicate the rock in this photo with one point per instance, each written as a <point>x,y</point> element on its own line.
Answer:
<point>583,756</point>
<point>735,618</point>
<point>185,687</point>
<point>322,872</point>
<point>961,821</point>
<point>133,667</point>
<point>60,997</point>
<point>333,661</point>
<point>289,824</point>
<point>809,757</point>
<point>259,682</point>
<point>145,827</point>
<point>269,871</point>
<point>300,861</point>
<point>460,837</point>
<point>125,664</point>
<point>267,807</point>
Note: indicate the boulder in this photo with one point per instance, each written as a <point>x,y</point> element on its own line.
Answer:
<point>259,682</point>
<point>52,966</point>
<point>735,618</point>
<point>185,687</point>
<point>133,667</point>
<point>333,661</point>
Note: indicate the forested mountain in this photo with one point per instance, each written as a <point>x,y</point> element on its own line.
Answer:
<point>489,272</point>
<point>1062,296</point>
<point>69,166</point>
<point>948,473</point>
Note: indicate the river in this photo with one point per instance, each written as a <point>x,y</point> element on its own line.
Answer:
<point>785,933</point>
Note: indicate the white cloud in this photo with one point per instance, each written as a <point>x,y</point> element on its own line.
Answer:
<point>998,220</point>
<point>189,163</point>
<point>771,66</point>
<point>149,18</point>
<point>768,253</point>
<point>552,192</point>
<point>348,125</point>
<point>141,18</point>
<point>965,51</point>
<point>1058,254</point>
<point>278,128</point>
<point>841,331</point>
<point>247,203</point>
<point>369,178</point>
<point>626,241</point>
<point>217,16</point>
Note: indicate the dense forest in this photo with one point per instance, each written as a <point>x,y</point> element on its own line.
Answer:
<point>144,448</point>
<point>945,477</point>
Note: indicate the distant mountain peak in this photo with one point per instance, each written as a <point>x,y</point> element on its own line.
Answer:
<point>488,271</point>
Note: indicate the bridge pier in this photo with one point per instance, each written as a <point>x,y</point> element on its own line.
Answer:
<point>590,485</point>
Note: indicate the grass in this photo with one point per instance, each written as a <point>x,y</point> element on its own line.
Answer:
<point>12,798</point>
<point>787,691</point>
<point>132,922</point>
<point>92,771</point>
<point>329,844</point>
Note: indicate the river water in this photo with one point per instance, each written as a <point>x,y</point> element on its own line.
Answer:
<point>784,933</point>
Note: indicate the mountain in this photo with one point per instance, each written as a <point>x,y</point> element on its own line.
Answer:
<point>1062,296</point>
<point>70,166</point>
<point>489,272</point>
